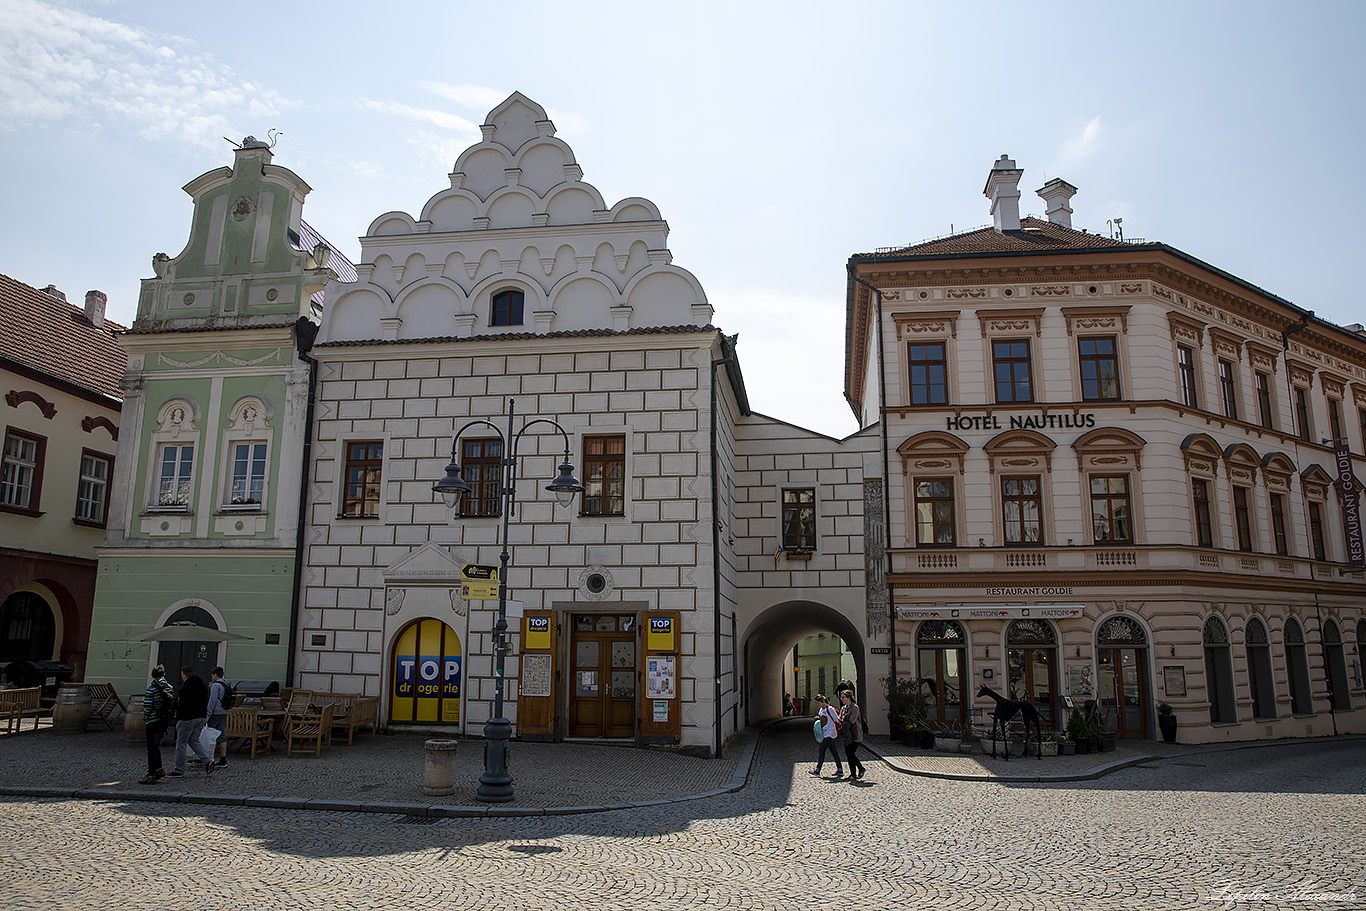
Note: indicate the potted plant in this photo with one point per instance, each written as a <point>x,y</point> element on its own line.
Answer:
<point>1097,722</point>
<point>1065,747</point>
<point>1079,732</point>
<point>946,738</point>
<point>905,709</point>
<point>1166,720</point>
<point>1050,745</point>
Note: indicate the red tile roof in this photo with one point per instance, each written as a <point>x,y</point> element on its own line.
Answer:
<point>54,338</point>
<point>1034,234</point>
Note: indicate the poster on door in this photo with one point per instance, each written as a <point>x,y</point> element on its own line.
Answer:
<point>661,676</point>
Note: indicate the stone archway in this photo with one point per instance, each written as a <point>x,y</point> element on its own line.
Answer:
<point>767,646</point>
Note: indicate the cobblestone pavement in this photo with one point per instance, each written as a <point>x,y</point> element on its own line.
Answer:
<point>1266,828</point>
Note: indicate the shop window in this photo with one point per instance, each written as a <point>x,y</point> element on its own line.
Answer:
<point>1228,388</point>
<point>1219,672</point>
<point>1242,517</point>
<point>941,656</point>
<point>1011,365</point>
<point>604,461</point>
<point>1297,669</point>
<point>21,474</point>
<point>1264,400</point>
<point>1099,360</point>
<point>799,519</point>
<point>934,512</point>
<point>1278,524</point>
<point>1204,528</point>
<point>1111,516</point>
<point>364,472</point>
<point>1022,510</point>
<point>1338,686</point>
<point>928,368</point>
<point>92,490</point>
<point>175,475</point>
<point>426,672</point>
<point>1185,370</point>
<point>1303,428</point>
<point>1259,670</point>
<point>481,467</point>
<point>506,308</point>
<point>1031,658</point>
<point>1316,530</point>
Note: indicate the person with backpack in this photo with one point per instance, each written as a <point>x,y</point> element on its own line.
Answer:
<point>192,711</point>
<point>851,724</point>
<point>220,700</point>
<point>158,712</point>
<point>829,720</point>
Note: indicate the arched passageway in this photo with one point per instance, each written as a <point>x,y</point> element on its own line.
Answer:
<point>768,643</point>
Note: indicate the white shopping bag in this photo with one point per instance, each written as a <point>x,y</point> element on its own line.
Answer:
<point>209,739</point>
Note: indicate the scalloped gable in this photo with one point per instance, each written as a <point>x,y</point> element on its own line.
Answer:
<point>517,216</point>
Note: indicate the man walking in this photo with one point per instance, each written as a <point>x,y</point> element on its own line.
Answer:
<point>191,713</point>
<point>218,714</point>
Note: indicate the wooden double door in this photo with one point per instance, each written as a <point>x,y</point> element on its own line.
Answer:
<point>602,697</point>
<point>1123,690</point>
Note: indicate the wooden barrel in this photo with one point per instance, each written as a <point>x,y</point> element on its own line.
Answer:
<point>134,728</point>
<point>71,711</point>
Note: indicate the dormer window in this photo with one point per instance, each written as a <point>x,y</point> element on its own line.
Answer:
<point>506,309</point>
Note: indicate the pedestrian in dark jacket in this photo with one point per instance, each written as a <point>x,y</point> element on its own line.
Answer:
<point>158,703</point>
<point>192,711</point>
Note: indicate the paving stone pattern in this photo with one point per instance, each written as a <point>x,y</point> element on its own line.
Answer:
<point>1271,824</point>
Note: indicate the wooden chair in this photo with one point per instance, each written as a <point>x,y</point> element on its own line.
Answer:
<point>245,729</point>
<point>298,702</point>
<point>272,704</point>
<point>18,704</point>
<point>103,701</point>
<point>311,728</point>
<point>364,711</point>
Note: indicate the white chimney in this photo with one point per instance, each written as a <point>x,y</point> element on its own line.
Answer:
<point>53,291</point>
<point>1055,195</point>
<point>1004,192</point>
<point>94,307</point>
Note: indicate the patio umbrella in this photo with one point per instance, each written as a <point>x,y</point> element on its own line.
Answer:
<point>183,631</point>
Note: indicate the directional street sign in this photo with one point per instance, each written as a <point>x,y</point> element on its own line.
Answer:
<point>478,583</point>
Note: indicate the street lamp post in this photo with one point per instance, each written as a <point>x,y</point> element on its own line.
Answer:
<point>495,785</point>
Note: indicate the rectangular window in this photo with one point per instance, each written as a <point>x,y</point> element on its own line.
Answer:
<point>1022,507</point>
<point>1204,529</point>
<point>934,520</point>
<point>1228,388</point>
<point>1302,427</point>
<point>1278,524</point>
<point>1242,517</point>
<point>506,308</point>
<point>481,467</point>
<point>1335,420</point>
<point>1099,369</point>
<point>364,473</point>
<point>1111,518</point>
<point>1264,400</point>
<point>92,491</point>
<point>1185,369</point>
<point>248,474</point>
<point>1010,361</point>
<point>1316,531</point>
<point>928,373</point>
<point>176,475</point>
<point>604,469</point>
<point>799,519</point>
<point>21,473</point>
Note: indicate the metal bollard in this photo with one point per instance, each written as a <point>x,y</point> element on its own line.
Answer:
<point>438,772</point>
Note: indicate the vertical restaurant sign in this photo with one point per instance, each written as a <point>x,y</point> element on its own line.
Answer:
<point>659,637</point>
<point>1351,506</point>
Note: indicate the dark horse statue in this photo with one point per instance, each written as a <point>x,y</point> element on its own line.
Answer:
<point>1004,713</point>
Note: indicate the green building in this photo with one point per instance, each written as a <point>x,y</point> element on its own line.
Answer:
<point>204,521</point>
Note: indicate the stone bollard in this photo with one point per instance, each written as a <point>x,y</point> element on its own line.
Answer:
<point>438,772</point>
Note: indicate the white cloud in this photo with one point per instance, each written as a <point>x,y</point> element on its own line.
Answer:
<point>64,65</point>
<point>464,128</point>
<point>1080,147</point>
<point>476,97</point>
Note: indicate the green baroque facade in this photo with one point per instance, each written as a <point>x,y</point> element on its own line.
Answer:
<point>205,520</point>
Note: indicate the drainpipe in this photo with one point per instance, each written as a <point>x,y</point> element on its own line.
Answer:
<point>886,474</point>
<point>716,551</point>
<point>305,331</point>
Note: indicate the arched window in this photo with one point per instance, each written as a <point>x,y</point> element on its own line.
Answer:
<point>426,673</point>
<point>1119,631</point>
<point>506,309</point>
<point>1259,670</point>
<point>1297,669</point>
<point>1219,672</point>
<point>1032,663</point>
<point>1337,667</point>
<point>26,628</point>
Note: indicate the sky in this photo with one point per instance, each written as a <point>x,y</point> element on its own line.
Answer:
<point>777,139</point>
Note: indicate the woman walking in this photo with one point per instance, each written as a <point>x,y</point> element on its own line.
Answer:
<point>829,720</point>
<point>851,722</point>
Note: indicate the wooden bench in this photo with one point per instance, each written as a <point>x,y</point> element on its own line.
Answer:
<point>18,704</point>
<point>363,711</point>
<point>103,701</point>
